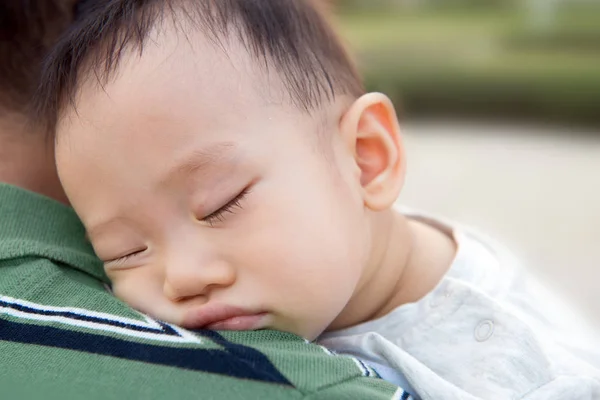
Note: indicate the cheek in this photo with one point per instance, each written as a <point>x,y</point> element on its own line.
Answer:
<point>124,289</point>
<point>308,235</point>
<point>140,290</point>
<point>305,253</point>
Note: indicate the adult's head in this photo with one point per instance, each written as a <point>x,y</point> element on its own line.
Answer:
<point>28,29</point>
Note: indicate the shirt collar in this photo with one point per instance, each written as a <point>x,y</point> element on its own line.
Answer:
<point>32,225</point>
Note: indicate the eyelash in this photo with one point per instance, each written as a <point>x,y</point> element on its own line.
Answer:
<point>219,215</point>
<point>118,261</point>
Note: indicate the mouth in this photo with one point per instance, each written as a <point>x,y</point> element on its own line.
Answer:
<point>225,318</point>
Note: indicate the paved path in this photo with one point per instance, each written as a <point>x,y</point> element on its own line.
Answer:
<point>536,190</point>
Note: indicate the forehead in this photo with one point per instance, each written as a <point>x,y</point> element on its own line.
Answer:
<point>177,73</point>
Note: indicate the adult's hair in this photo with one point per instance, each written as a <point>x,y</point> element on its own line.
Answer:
<point>28,29</point>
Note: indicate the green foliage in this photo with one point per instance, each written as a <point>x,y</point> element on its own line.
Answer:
<point>483,61</point>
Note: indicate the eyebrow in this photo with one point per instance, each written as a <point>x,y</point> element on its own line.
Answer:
<point>89,234</point>
<point>200,159</point>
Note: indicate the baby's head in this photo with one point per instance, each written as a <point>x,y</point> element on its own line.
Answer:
<point>227,166</point>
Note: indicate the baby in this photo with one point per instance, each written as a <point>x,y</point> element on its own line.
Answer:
<point>232,174</point>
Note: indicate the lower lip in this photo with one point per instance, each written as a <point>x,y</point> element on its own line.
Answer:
<point>240,323</point>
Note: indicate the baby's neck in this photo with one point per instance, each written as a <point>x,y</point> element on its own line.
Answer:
<point>408,260</point>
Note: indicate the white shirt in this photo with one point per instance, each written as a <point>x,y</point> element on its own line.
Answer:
<point>487,331</point>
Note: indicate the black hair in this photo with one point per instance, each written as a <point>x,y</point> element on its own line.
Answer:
<point>294,36</point>
<point>28,29</point>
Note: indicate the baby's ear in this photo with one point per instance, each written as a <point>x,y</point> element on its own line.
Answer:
<point>370,128</point>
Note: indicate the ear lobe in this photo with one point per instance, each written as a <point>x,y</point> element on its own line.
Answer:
<point>371,127</point>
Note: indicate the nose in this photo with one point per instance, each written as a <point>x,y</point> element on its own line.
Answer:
<point>188,278</point>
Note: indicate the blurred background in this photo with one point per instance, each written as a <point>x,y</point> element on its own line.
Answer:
<point>500,107</point>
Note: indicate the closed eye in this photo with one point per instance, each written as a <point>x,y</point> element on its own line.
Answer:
<point>230,207</point>
<point>119,261</point>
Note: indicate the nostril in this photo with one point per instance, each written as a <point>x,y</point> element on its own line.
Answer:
<point>178,295</point>
<point>198,298</point>
<point>182,299</point>
<point>182,296</point>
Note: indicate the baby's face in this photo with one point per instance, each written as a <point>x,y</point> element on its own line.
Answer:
<point>210,206</point>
